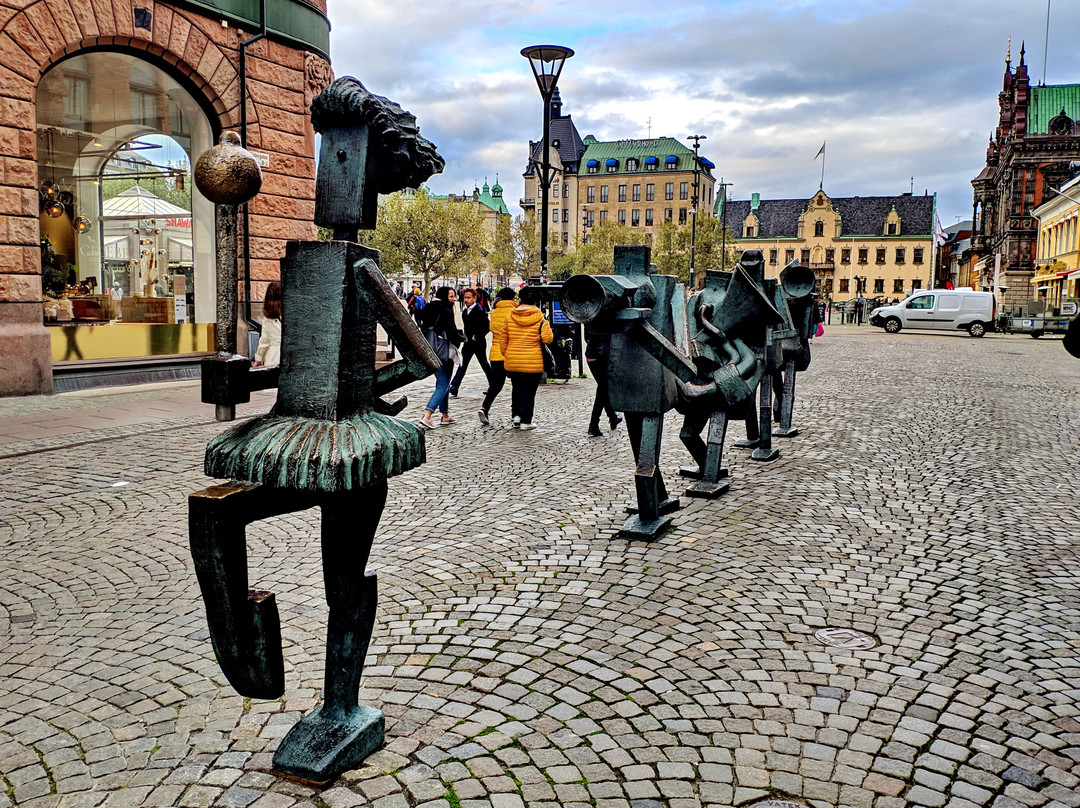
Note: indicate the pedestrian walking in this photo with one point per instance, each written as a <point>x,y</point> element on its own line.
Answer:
<point>440,331</point>
<point>505,302</point>
<point>482,297</point>
<point>416,305</point>
<point>268,353</point>
<point>523,358</point>
<point>597,350</point>
<point>475,322</point>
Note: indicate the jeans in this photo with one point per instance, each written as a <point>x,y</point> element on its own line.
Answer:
<point>599,370</point>
<point>440,398</point>
<point>468,350</point>
<point>523,394</point>
<point>496,380</point>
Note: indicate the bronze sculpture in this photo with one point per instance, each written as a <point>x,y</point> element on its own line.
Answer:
<point>795,300</point>
<point>728,321</point>
<point>331,440</point>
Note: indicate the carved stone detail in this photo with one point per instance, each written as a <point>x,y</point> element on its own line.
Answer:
<point>317,76</point>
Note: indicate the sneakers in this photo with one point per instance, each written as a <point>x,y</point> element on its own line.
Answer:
<point>528,426</point>
<point>517,422</point>
<point>426,422</point>
<point>483,416</point>
<point>453,393</point>
<point>594,432</point>
<point>616,421</point>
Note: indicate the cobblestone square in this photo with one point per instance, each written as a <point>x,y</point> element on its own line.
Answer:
<point>524,657</point>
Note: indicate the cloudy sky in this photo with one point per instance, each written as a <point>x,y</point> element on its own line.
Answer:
<point>900,89</point>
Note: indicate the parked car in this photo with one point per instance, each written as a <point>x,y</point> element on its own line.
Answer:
<point>940,309</point>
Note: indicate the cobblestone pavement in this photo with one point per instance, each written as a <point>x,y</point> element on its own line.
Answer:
<point>525,657</point>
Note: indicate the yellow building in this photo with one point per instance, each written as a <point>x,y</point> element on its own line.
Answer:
<point>876,246</point>
<point>1057,253</point>
<point>638,183</point>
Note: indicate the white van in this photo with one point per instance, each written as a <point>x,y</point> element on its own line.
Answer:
<point>940,309</point>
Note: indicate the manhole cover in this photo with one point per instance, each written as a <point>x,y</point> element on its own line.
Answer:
<point>777,804</point>
<point>847,638</point>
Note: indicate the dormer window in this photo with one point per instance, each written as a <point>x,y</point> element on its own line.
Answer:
<point>891,229</point>
<point>612,165</point>
<point>631,164</point>
<point>749,231</point>
<point>592,166</point>
<point>651,163</point>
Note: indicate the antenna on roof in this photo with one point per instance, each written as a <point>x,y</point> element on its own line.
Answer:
<point>1046,42</point>
<point>912,188</point>
<point>648,123</point>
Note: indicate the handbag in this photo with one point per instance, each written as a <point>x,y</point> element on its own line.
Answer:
<point>819,330</point>
<point>545,351</point>
<point>439,344</point>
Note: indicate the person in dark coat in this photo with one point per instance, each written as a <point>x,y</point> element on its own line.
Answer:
<point>475,320</point>
<point>438,327</point>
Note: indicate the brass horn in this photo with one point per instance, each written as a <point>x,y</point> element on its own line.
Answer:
<point>745,305</point>
<point>797,281</point>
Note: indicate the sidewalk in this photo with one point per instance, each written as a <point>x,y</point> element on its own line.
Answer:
<point>524,658</point>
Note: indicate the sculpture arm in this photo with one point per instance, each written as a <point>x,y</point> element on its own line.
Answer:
<point>664,350</point>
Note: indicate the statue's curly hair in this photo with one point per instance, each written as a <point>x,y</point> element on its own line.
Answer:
<point>404,159</point>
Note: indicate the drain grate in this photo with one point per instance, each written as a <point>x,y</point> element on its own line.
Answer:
<point>847,638</point>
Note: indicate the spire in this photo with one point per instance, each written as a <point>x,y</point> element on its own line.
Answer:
<point>1021,53</point>
<point>556,104</point>
<point>1008,53</point>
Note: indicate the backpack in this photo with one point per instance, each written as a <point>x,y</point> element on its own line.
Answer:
<point>416,303</point>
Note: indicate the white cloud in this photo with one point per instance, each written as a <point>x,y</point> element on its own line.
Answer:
<point>900,88</point>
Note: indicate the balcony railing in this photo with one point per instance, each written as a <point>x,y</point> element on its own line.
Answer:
<point>527,202</point>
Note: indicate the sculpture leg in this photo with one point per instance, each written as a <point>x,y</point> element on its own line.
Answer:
<point>787,403</point>
<point>649,519</point>
<point>753,434</point>
<point>244,626</point>
<point>709,486</point>
<point>765,451</point>
<point>340,733</point>
<point>690,434</point>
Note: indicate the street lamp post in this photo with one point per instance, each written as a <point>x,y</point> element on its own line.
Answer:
<point>547,64</point>
<point>694,204</point>
<point>723,186</point>
<point>584,231</point>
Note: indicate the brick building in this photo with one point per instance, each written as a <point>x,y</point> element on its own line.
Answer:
<point>104,107</point>
<point>1030,151</point>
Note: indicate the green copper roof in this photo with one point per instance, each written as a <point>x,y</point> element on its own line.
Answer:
<point>492,197</point>
<point>1047,102</point>
<point>660,148</point>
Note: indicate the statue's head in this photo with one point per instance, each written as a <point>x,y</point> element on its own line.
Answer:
<point>753,261</point>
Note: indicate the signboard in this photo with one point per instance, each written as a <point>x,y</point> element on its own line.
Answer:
<point>557,316</point>
<point>1069,308</point>
<point>1027,323</point>
<point>179,299</point>
<point>261,158</point>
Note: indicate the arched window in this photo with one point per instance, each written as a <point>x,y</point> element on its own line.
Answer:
<point>819,228</point>
<point>118,136</point>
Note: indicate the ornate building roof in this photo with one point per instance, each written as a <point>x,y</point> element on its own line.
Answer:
<point>860,215</point>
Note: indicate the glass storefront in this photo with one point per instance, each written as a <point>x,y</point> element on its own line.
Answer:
<point>127,242</point>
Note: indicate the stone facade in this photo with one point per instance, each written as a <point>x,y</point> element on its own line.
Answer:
<point>1036,138</point>
<point>203,54</point>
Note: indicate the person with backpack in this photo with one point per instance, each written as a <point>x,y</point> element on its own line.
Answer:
<point>416,304</point>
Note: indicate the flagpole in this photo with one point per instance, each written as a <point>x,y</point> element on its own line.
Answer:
<point>821,185</point>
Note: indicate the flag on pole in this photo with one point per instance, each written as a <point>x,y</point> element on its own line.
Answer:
<point>820,151</point>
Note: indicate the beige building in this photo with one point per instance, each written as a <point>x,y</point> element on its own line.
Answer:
<point>635,182</point>
<point>884,242</point>
<point>1057,255</point>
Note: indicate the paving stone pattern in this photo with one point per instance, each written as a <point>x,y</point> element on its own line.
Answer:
<point>525,657</point>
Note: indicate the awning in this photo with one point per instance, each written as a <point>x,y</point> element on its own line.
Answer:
<point>705,161</point>
<point>592,163</point>
<point>611,161</point>
<point>1073,275</point>
<point>671,158</point>
<point>651,161</point>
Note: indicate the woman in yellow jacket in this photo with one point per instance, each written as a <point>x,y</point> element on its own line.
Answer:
<point>504,304</point>
<point>523,360</point>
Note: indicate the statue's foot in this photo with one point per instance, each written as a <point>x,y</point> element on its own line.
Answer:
<point>636,529</point>
<point>747,443</point>
<point>707,490</point>
<point>691,472</point>
<point>780,432</point>
<point>764,455</point>
<point>318,749</point>
<point>669,505</point>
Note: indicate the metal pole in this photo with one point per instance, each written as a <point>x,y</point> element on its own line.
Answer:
<point>723,223</point>
<point>545,168</point>
<point>252,325</point>
<point>694,204</point>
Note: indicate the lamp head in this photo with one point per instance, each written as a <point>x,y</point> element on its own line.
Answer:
<point>547,63</point>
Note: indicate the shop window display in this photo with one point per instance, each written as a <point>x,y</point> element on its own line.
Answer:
<point>127,242</point>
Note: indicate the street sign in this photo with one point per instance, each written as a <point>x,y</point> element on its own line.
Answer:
<point>557,315</point>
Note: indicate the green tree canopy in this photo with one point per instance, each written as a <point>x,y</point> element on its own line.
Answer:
<point>671,248</point>
<point>421,235</point>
